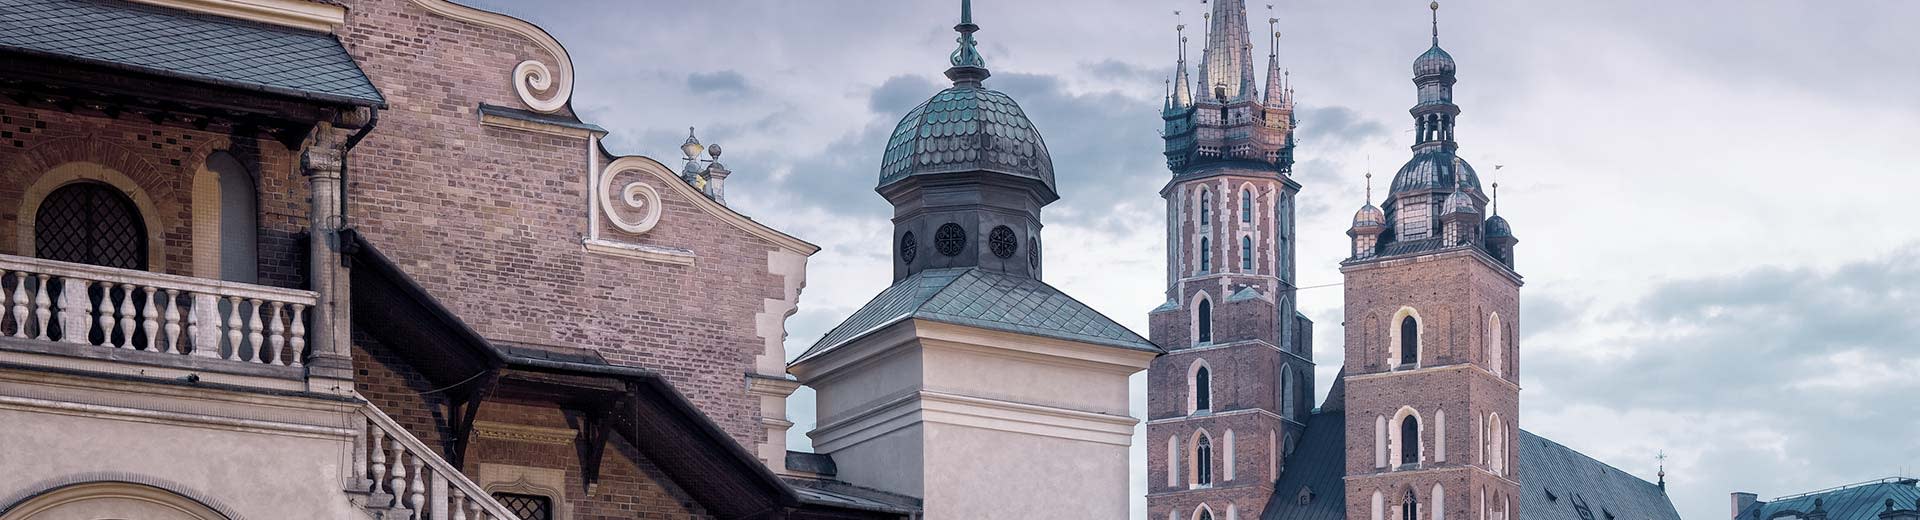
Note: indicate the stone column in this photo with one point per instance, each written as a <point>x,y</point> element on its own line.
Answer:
<point>330,365</point>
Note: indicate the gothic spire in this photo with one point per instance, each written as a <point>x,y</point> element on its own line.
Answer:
<point>1276,91</point>
<point>968,67</point>
<point>1226,68</point>
<point>1182,92</point>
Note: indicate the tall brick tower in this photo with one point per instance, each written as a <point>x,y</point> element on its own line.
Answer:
<point>1432,306</point>
<point>1232,394</point>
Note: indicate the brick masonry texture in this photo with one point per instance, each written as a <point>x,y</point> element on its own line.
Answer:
<point>161,161</point>
<point>489,221</point>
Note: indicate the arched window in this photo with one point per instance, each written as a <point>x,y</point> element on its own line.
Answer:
<point>1203,461</point>
<point>1286,392</point>
<point>1173,460</point>
<point>1202,389</point>
<point>1206,255</point>
<point>1410,509</point>
<point>1246,253</point>
<point>90,223</point>
<point>1409,440</point>
<point>1409,341</point>
<point>1439,502</point>
<point>1203,514</point>
<point>239,214</point>
<point>1204,317</point>
<point>1206,207</point>
<point>1227,460</point>
<point>1496,445</point>
<point>1496,347</point>
<point>1380,441</point>
<point>1379,505</point>
<point>1246,206</point>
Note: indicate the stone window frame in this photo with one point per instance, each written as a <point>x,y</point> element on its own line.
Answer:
<point>1195,320</point>
<point>1395,451</point>
<point>1195,389</point>
<point>1201,466</point>
<point>1246,253</point>
<point>1202,512</point>
<point>1394,341</point>
<point>528,480</point>
<point>84,171</point>
<point>1173,460</point>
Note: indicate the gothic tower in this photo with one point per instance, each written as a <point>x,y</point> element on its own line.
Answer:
<point>1432,310</point>
<point>1232,395</point>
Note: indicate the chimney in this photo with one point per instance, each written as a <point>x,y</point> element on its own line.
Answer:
<point>1743,500</point>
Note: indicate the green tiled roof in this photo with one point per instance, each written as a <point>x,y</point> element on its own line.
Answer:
<point>193,47</point>
<point>977,298</point>
<point>1862,501</point>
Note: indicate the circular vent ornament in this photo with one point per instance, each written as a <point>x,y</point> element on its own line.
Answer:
<point>908,247</point>
<point>950,239</point>
<point>1002,241</point>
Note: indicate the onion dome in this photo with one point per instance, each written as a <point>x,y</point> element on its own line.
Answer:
<point>1369,215</point>
<point>967,128</point>
<point>1433,168</point>
<point>1435,61</point>
<point>1497,227</point>
<point>1460,202</point>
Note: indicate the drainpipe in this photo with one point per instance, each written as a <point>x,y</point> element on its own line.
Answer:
<point>345,150</point>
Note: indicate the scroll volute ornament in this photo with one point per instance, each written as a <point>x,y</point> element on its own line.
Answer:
<point>540,88</point>
<point>630,203</point>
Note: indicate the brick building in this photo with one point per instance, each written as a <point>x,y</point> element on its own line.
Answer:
<point>1423,420</point>
<point>370,245</point>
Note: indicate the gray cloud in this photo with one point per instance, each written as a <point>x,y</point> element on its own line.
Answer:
<point>718,83</point>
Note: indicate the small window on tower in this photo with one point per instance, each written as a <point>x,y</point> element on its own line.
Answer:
<point>1204,318</point>
<point>1409,440</point>
<point>1202,390</point>
<point>1246,206</point>
<point>1409,341</point>
<point>1203,461</point>
<point>1411,510</point>
<point>1246,253</point>
<point>1206,207</point>
<point>1206,255</point>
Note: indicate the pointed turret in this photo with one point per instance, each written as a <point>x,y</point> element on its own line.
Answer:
<point>1226,68</point>
<point>1182,91</point>
<point>1276,91</point>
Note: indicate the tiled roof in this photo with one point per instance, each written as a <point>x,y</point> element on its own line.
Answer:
<point>194,47</point>
<point>978,298</point>
<point>966,128</point>
<point>1862,501</point>
<point>1555,481</point>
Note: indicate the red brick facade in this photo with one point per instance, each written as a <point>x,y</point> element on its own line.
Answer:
<point>1451,392</point>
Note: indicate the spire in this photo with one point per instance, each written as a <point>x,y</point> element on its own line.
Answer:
<point>1276,90</point>
<point>1663,469</point>
<point>1182,91</point>
<point>1496,198</point>
<point>968,67</point>
<point>1227,67</point>
<point>1435,7</point>
<point>1369,186</point>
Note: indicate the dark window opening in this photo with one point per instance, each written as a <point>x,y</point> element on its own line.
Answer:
<point>1206,255</point>
<point>1411,511</point>
<point>527,507</point>
<point>1202,390</point>
<point>1203,461</point>
<point>1409,440</point>
<point>1246,253</point>
<point>90,223</point>
<point>1205,317</point>
<point>1409,341</point>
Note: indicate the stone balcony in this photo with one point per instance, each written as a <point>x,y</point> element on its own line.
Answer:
<point>64,315</point>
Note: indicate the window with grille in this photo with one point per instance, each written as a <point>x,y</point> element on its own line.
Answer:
<point>90,223</point>
<point>527,507</point>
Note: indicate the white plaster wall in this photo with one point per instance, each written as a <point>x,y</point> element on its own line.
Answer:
<point>975,473</point>
<point>892,462</point>
<point>1028,380</point>
<point>252,474</point>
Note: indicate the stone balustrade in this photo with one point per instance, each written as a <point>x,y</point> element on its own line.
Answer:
<point>402,478</point>
<point>122,308</point>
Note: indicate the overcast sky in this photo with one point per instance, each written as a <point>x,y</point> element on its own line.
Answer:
<point>1713,198</point>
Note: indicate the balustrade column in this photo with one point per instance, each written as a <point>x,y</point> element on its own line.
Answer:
<point>277,333</point>
<point>233,327</point>
<point>397,481</point>
<point>20,316</point>
<point>104,313</point>
<point>299,338</point>
<point>459,505</point>
<point>379,458</point>
<point>75,310</point>
<point>437,490</point>
<point>41,305</point>
<point>148,323</point>
<point>125,312</point>
<point>254,337</point>
<point>417,486</point>
<point>172,316</point>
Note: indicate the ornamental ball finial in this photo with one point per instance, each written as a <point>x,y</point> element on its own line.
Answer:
<point>713,150</point>
<point>1434,6</point>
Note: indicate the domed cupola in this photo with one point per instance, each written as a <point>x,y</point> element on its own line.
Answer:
<point>1369,216</point>
<point>967,174</point>
<point>967,128</point>
<point>1435,62</point>
<point>1433,169</point>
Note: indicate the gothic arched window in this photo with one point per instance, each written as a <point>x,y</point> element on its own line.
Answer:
<point>1206,207</point>
<point>1202,389</point>
<point>1246,253</point>
<point>1411,509</point>
<point>90,223</point>
<point>1409,341</point>
<point>1203,461</point>
<point>1286,391</point>
<point>1206,255</point>
<point>1246,206</point>
<point>1204,320</point>
<point>1409,440</point>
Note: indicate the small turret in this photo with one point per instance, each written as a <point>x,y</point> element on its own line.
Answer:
<point>1499,234</point>
<point>1368,223</point>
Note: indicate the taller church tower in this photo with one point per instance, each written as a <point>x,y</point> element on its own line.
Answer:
<point>1432,306</point>
<point>1232,395</point>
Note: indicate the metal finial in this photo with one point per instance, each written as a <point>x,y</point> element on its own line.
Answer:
<point>691,146</point>
<point>1369,179</point>
<point>967,55</point>
<point>1435,7</point>
<point>1496,198</point>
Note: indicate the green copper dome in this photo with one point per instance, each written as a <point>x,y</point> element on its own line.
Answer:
<point>966,128</point>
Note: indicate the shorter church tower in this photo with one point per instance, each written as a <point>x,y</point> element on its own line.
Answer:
<point>1432,308</point>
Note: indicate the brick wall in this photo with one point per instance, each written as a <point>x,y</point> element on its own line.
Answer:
<point>160,162</point>
<point>489,220</point>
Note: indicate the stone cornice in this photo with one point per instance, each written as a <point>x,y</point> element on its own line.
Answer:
<point>1442,368</point>
<point>299,14</point>
<point>927,406</point>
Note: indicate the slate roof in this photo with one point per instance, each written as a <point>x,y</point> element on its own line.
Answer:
<point>1863,501</point>
<point>1318,463</point>
<point>182,45</point>
<point>977,298</point>
<point>966,128</point>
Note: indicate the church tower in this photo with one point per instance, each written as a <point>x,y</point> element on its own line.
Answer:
<point>1232,395</point>
<point>1432,309</point>
<point>970,383</point>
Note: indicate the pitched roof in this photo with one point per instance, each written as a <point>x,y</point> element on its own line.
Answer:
<point>977,298</point>
<point>188,46</point>
<point>1556,482</point>
<point>1573,480</point>
<point>1861,501</point>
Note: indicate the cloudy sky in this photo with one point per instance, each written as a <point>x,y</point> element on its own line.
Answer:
<point>1712,197</point>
